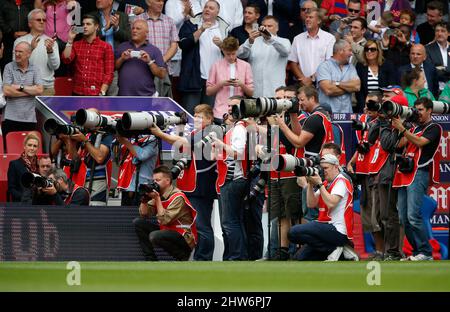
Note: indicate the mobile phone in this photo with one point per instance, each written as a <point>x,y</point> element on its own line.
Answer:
<point>255,26</point>
<point>78,29</point>
<point>136,54</point>
<point>115,7</point>
<point>264,31</point>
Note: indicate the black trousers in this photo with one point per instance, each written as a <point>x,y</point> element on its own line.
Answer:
<point>150,236</point>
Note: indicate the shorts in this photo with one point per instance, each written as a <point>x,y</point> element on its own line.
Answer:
<point>285,199</point>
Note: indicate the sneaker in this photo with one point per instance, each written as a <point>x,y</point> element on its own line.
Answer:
<point>392,258</point>
<point>409,258</point>
<point>336,254</point>
<point>282,254</point>
<point>421,257</point>
<point>376,256</point>
<point>350,254</point>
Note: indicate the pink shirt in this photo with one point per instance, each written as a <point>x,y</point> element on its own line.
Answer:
<point>221,71</point>
<point>62,27</point>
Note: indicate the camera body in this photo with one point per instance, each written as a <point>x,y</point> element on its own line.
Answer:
<point>363,148</point>
<point>179,166</point>
<point>74,164</point>
<point>360,125</point>
<point>148,188</point>
<point>30,179</point>
<point>405,164</point>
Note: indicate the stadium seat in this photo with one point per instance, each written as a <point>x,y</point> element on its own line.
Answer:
<point>4,164</point>
<point>14,142</point>
<point>63,86</point>
<point>2,150</point>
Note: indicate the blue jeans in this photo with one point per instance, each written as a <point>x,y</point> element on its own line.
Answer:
<point>205,245</point>
<point>320,239</point>
<point>409,206</point>
<point>232,213</point>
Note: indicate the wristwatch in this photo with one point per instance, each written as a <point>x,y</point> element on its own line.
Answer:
<point>21,87</point>
<point>102,93</point>
<point>337,83</point>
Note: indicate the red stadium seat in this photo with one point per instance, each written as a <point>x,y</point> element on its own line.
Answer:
<point>63,86</point>
<point>14,142</point>
<point>4,164</point>
<point>2,150</point>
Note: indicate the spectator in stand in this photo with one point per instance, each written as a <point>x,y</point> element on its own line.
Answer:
<point>251,16</point>
<point>28,162</point>
<point>407,17</point>
<point>420,9</point>
<point>397,46</point>
<point>334,10</point>
<point>286,11</point>
<point>231,11</point>
<point>114,29</point>
<point>13,24</point>
<point>341,27</point>
<point>263,49</point>
<point>338,79</point>
<point>148,64</point>
<point>418,58</point>
<point>374,72</point>
<point>358,28</point>
<point>380,26</point>
<point>299,26</point>
<point>21,83</point>
<point>45,55</point>
<point>302,61</point>
<point>435,12</point>
<point>445,94</point>
<point>45,165</point>
<point>199,41</point>
<point>138,7</point>
<point>395,7</point>
<point>93,60</point>
<point>2,97</point>
<point>438,52</point>
<point>162,34</point>
<point>227,77</point>
<point>413,84</point>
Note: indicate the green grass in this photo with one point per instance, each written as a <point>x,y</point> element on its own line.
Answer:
<point>225,276</point>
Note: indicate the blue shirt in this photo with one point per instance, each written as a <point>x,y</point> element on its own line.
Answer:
<point>330,70</point>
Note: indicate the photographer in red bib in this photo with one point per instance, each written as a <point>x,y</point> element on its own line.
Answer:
<point>412,175</point>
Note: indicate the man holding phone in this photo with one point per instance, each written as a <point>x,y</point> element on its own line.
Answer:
<point>139,58</point>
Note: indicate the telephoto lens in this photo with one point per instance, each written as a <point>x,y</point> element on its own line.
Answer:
<point>440,107</point>
<point>179,166</point>
<point>53,127</point>
<point>307,171</point>
<point>359,125</point>
<point>286,162</point>
<point>373,106</point>
<point>30,179</point>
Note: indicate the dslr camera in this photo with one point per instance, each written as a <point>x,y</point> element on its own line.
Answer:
<point>179,166</point>
<point>30,179</point>
<point>405,164</point>
<point>148,188</point>
<point>363,148</point>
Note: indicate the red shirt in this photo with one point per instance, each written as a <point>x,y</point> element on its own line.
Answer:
<point>94,66</point>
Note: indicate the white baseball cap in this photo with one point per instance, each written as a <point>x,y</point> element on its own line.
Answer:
<point>329,159</point>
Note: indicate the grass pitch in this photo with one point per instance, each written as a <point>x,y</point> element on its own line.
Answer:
<point>226,276</point>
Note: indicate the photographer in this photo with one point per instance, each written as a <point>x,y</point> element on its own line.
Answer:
<point>175,232</point>
<point>95,153</point>
<point>421,144</point>
<point>68,193</point>
<point>197,179</point>
<point>330,235</point>
<point>138,161</point>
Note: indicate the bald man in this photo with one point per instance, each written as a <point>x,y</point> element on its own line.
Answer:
<point>418,58</point>
<point>21,83</point>
<point>139,58</point>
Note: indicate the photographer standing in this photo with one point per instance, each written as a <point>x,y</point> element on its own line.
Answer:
<point>176,232</point>
<point>136,168</point>
<point>421,143</point>
<point>328,237</point>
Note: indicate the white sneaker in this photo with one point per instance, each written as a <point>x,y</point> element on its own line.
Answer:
<point>336,254</point>
<point>421,257</point>
<point>350,254</point>
<point>409,258</point>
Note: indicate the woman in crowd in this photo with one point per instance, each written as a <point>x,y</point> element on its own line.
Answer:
<point>28,161</point>
<point>229,76</point>
<point>413,84</point>
<point>374,73</point>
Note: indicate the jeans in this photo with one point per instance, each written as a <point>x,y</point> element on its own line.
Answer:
<point>409,206</point>
<point>231,197</point>
<point>253,225</point>
<point>150,235</point>
<point>205,245</point>
<point>320,239</point>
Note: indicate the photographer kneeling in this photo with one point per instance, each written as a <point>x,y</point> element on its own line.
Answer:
<point>176,232</point>
<point>329,236</point>
<point>68,193</point>
<point>421,143</point>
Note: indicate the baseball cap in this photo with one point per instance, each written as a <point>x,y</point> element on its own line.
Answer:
<point>329,159</point>
<point>393,88</point>
<point>400,99</point>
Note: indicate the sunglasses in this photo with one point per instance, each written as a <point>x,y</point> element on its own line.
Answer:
<point>42,20</point>
<point>353,11</point>
<point>370,49</point>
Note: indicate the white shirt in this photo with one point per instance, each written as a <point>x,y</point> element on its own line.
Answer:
<point>444,53</point>
<point>209,52</point>
<point>310,52</point>
<point>238,143</point>
<point>268,60</point>
<point>2,97</point>
<point>231,11</point>
<point>269,7</point>
<point>47,63</point>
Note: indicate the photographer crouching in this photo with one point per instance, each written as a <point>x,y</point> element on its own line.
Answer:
<point>329,236</point>
<point>420,145</point>
<point>175,232</point>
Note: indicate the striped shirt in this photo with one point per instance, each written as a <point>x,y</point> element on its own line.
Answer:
<point>161,32</point>
<point>94,66</point>
<point>372,81</point>
<point>22,109</point>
